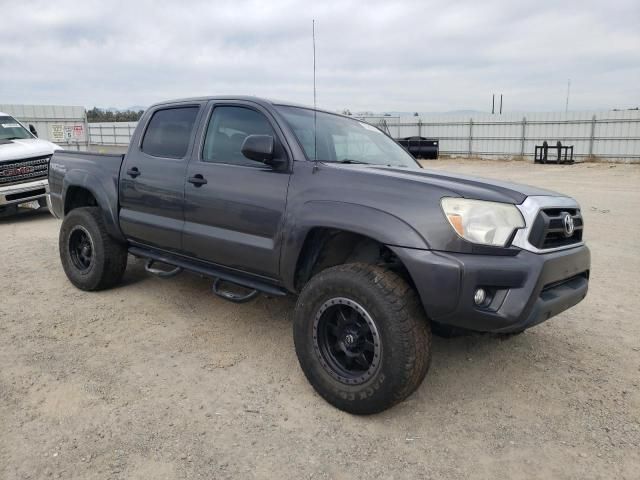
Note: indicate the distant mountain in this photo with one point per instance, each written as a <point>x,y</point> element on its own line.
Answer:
<point>460,112</point>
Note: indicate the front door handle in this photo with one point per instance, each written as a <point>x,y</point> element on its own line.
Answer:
<point>133,172</point>
<point>198,180</point>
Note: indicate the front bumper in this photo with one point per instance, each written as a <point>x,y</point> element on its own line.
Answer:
<point>524,290</point>
<point>23,192</point>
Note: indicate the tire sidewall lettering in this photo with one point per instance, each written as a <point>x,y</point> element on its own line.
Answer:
<point>364,393</point>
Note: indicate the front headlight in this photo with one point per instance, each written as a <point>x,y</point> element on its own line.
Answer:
<point>486,223</point>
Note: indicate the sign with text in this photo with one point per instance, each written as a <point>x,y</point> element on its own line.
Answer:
<point>66,133</point>
<point>56,132</point>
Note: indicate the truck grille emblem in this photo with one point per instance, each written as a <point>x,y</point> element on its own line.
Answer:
<point>10,172</point>
<point>568,225</point>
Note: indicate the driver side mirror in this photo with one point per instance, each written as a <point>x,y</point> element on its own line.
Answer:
<point>33,130</point>
<point>261,149</point>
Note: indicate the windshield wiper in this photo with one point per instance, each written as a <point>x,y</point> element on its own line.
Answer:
<point>350,161</point>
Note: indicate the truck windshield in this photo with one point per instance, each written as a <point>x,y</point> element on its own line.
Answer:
<point>10,129</point>
<point>344,140</point>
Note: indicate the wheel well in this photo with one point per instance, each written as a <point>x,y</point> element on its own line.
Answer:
<point>327,247</point>
<point>78,197</point>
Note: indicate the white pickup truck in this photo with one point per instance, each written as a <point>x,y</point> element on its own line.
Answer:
<point>24,166</point>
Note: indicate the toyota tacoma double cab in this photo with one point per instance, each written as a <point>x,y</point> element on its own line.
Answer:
<point>24,165</point>
<point>279,199</point>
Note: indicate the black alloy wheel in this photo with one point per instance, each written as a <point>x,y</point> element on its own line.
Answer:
<point>81,248</point>
<point>346,341</point>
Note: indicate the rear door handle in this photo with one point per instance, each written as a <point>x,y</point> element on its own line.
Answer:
<point>198,180</point>
<point>133,172</point>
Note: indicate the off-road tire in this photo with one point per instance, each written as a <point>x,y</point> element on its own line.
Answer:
<point>108,257</point>
<point>402,328</point>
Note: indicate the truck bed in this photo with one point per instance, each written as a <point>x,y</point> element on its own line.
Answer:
<point>94,173</point>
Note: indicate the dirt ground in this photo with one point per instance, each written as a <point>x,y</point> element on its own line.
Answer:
<point>159,379</point>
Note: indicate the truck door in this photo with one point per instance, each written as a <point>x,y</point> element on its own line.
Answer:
<point>152,177</point>
<point>234,206</point>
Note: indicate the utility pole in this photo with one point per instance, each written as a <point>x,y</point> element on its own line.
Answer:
<point>493,104</point>
<point>500,104</point>
<point>566,107</point>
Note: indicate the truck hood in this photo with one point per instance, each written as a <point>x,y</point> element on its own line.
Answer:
<point>25,148</point>
<point>467,186</point>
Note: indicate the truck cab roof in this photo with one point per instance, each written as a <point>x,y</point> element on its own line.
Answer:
<point>269,102</point>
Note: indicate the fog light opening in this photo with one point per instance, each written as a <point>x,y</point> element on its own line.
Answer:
<point>480,296</point>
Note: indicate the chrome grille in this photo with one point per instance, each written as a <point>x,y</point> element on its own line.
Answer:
<point>26,169</point>
<point>543,218</point>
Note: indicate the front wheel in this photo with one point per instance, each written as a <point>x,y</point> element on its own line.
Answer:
<point>91,258</point>
<point>362,338</point>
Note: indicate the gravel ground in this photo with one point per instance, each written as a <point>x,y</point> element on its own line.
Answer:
<point>160,379</point>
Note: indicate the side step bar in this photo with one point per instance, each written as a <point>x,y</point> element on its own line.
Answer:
<point>207,270</point>
<point>231,296</point>
<point>159,272</point>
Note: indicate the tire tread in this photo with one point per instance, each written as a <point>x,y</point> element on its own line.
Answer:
<point>409,324</point>
<point>114,254</point>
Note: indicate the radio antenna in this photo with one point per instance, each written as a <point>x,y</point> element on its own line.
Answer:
<point>315,135</point>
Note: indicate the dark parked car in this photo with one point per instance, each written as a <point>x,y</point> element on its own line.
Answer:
<point>285,200</point>
<point>421,147</point>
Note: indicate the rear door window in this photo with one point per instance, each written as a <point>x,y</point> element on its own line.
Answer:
<point>169,132</point>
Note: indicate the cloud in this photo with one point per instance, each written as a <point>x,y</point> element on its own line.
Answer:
<point>372,55</point>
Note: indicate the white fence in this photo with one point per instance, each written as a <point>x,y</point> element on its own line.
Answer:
<point>613,136</point>
<point>111,133</point>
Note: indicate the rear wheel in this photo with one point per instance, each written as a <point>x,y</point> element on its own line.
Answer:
<point>91,258</point>
<point>361,337</point>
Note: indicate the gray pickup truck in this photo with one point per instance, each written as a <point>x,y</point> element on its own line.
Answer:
<point>273,198</point>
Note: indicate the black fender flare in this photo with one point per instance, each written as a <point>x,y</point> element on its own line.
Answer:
<point>370,222</point>
<point>103,192</point>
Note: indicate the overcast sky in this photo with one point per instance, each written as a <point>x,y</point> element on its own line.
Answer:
<point>423,56</point>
